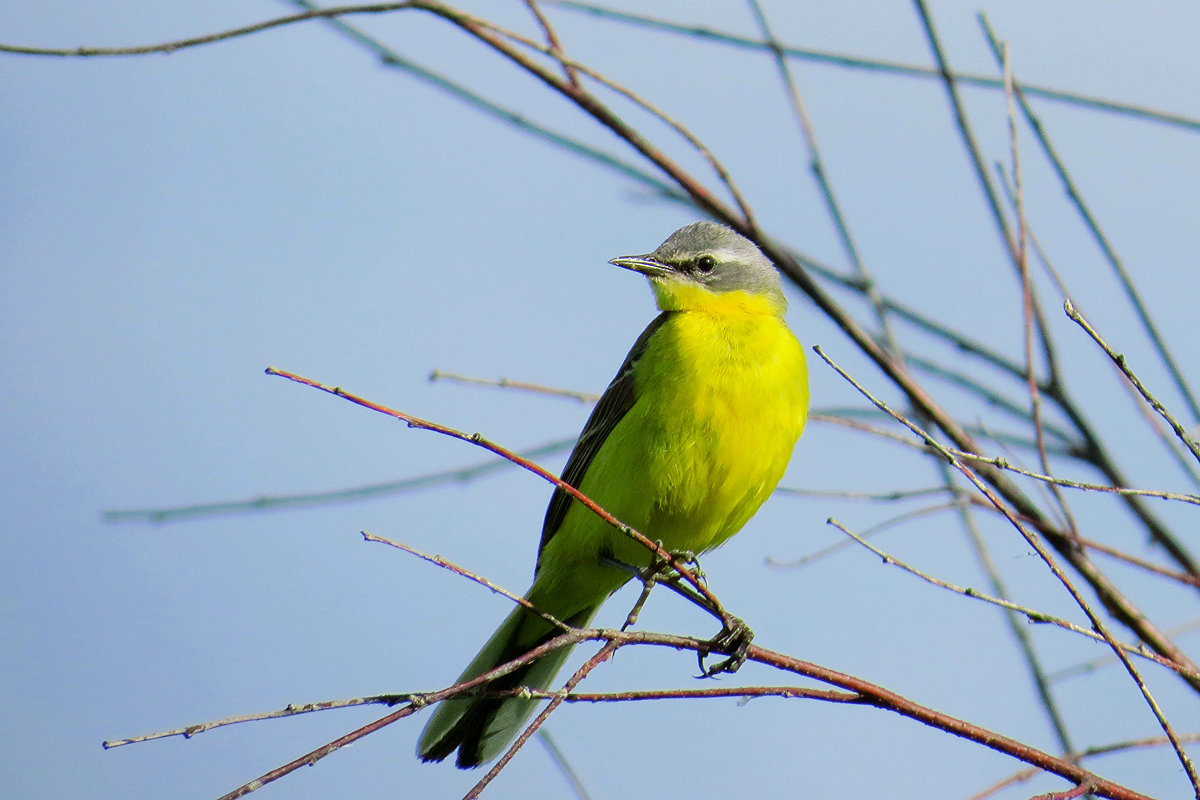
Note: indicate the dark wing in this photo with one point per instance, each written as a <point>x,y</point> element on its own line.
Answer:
<point>617,399</point>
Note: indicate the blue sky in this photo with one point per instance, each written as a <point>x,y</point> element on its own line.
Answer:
<point>172,225</point>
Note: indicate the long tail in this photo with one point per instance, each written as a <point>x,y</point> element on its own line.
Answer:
<point>481,728</point>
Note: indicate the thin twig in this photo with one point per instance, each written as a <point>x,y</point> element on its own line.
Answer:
<point>1185,578</point>
<point>290,710</point>
<point>447,564</point>
<point>564,764</point>
<point>552,41</point>
<point>1033,319</point>
<point>879,527</point>
<point>1119,360</point>
<point>210,38</point>
<point>1003,463</point>
<point>816,165</point>
<point>507,383</point>
<point>569,639</point>
<point>486,31</point>
<point>279,502</point>
<point>874,497</point>
<point>989,395</point>
<point>604,654</point>
<point>1020,631</point>
<point>393,59</point>
<point>1088,667</point>
<point>1031,614</point>
<point>478,440</point>
<point>950,82</point>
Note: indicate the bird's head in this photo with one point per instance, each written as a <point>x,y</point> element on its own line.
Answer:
<point>705,263</point>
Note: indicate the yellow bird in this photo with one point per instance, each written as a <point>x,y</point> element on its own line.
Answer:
<point>686,443</point>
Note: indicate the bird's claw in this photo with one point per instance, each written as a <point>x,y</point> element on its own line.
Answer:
<point>689,561</point>
<point>734,641</point>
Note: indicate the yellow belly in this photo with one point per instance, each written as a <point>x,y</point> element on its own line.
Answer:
<point>721,400</point>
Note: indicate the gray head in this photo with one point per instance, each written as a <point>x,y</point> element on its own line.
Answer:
<point>709,255</point>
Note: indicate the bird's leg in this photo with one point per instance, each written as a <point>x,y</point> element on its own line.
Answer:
<point>631,618</point>
<point>735,635</point>
<point>733,640</point>
<point>648,577</point>
<point>660,572</point>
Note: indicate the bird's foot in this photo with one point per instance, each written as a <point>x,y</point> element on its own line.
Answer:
<point>688,560</point>
<point>734,641</point>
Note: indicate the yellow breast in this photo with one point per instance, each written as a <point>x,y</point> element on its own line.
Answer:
<point>722,397</point>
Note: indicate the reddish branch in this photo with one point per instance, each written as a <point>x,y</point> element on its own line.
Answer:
<point>478,440</point>
<point>861,692</point>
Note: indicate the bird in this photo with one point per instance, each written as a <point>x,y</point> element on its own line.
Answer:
<point>686,443</point>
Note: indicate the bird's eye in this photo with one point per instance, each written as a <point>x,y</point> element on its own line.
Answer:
<point>706,264</point>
